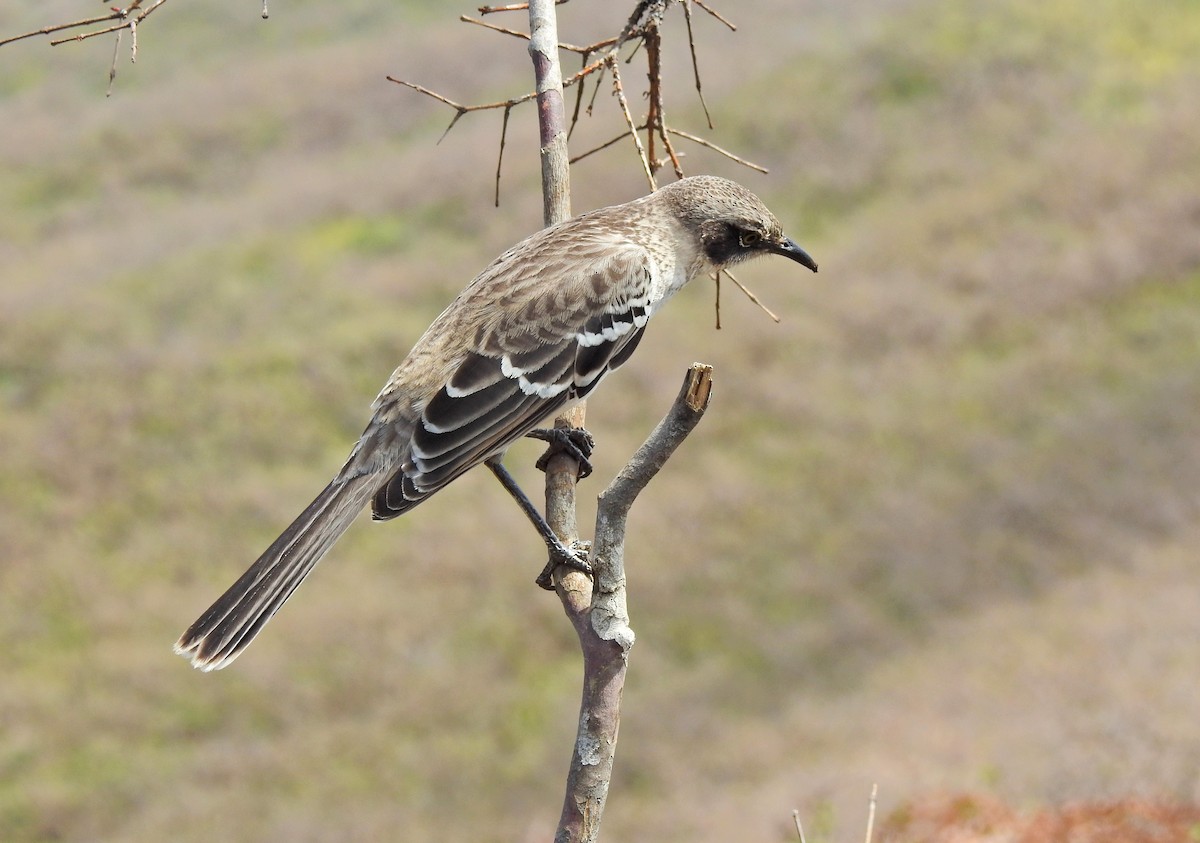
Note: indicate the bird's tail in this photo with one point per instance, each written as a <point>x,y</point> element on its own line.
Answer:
<point>230,624</point>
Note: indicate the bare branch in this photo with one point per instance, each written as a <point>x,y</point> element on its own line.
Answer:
<point>112,71</point>
<point>514,7</point>
<point>871,812</point>
<point>642,28</point>
<point>82,36</point>
<point>652,40</point>
<point>46,30</point>
<point>687,15</point>
<point>717,303</point>
<point>461,109</point>
<point>715,14</point>
<point>799,827</point>
<point>457,106</point>
<point>656,118</point>
<point>601,616</point>
<point>710,145</point>
<point>500,157</point>
<point>516,33</point>
<point>616,501</point>
<point>619,91</point>
<point>604,145</point>
<point>552,119</point>
<point>502,29</point>
<point>126,16</point>
<point>596,90</point>
<point>750,295</point>
<point>578,104</point>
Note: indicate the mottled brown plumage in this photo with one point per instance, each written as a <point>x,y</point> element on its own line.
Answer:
<point>537,330</point>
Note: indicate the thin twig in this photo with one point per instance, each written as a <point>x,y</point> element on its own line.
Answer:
<point>150,11</point>
<point>717,280</point>
<point>595,91</point>
<point>514,7</point>
<point>604,145</point>
<point>620,92</point>
<point>751,295</point>
<point>710,145</point>
<point>871,812</point>
<point>641,28</point>
<point>687,15</point>
<point>715,14</point>
<point>502,29</point>
<point>82,36</point>
<point>461,109</point>
<point>46,30</point>
<point>799,828</point>
<point>457,106</point>
<point>128,21</point>
<point>671,152</point>
<point>578,103</point>
<point>500,157</point>
<point>516,33</point>
<point>634,52</point>
<point>112,70</point>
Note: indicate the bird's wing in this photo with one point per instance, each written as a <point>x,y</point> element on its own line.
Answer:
<point>546,342</point>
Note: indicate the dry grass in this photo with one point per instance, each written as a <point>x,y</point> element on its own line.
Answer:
<point>938,528</point>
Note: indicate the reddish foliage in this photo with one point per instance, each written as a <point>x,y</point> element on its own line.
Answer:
<point>971,818</point>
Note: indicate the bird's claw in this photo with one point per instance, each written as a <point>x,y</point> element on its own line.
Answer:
<point>574,557</point>
<point>575,442</point>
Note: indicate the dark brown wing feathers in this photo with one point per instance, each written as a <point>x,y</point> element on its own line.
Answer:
<point>541,353</point>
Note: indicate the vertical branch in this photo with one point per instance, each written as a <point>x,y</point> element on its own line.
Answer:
<point>604,659</point>
<point>656,120</point>
<point>543,49</point>
<point>652,41</point>
<point>561,470</point>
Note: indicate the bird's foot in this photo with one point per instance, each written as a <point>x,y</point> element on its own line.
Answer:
<point>574,557</point>
<point>575,442</point>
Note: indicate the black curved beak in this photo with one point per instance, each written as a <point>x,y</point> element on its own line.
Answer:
<point>790,249</point>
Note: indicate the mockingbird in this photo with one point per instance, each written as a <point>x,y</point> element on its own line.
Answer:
<point>536,331</point>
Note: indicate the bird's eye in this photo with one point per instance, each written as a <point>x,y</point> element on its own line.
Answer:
<point>749,238</point>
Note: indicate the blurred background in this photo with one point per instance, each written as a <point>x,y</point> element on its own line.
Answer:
<point>938,530</point>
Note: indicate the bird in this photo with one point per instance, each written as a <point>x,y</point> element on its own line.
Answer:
<point>535,332</point>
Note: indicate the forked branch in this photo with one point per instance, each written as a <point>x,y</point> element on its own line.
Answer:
<point>642,29</point>
<point>119,20</point>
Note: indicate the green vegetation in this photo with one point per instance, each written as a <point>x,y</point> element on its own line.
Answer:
<point>937,530</point>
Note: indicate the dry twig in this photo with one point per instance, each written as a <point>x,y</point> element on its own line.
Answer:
<point>513,7</point>
<point>516,33</point>
<point>871,812</point>
<point>750,295</point>
<point>799,828</point>
<point>126,18</point>
<point>712,12</point>
<point>641,29</point>
<point>620,94</point>
<point>710,145</point>
<point>687,16</point>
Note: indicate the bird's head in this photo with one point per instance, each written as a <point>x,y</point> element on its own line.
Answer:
<point>730,223</point>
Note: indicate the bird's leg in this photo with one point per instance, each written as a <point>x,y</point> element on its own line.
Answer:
<point>573,441</point>
<point>573,557</point>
